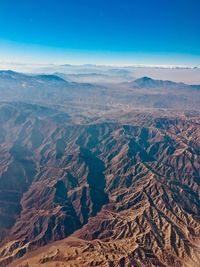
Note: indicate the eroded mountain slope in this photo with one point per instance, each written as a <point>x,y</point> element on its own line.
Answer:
<point>123,194</point>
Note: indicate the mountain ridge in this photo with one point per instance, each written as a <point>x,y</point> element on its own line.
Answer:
<point>147,82</point>
<point>106,186</point>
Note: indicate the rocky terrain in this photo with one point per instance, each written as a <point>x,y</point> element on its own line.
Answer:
<point>107,183</point>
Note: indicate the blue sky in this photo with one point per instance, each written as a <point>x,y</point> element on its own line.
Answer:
<point>100,31</point>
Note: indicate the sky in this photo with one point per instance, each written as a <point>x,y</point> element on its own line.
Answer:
<point>118,32</point>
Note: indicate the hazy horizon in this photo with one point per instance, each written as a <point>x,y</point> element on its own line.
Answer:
<point>185,74</point>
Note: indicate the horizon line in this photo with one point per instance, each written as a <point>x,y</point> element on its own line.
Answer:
<point>167,66</point>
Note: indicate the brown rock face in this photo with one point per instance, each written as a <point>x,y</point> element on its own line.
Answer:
<point>120,195</point>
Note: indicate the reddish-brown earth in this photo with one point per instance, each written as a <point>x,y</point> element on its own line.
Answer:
<point>125,195</point>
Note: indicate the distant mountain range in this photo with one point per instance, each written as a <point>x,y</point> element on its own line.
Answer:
<point>146,82</point>
<point>12,75</point>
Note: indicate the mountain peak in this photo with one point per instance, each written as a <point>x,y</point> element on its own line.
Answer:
<point>147,82</point>
<point>145,78</point>
<point>8,72</point>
